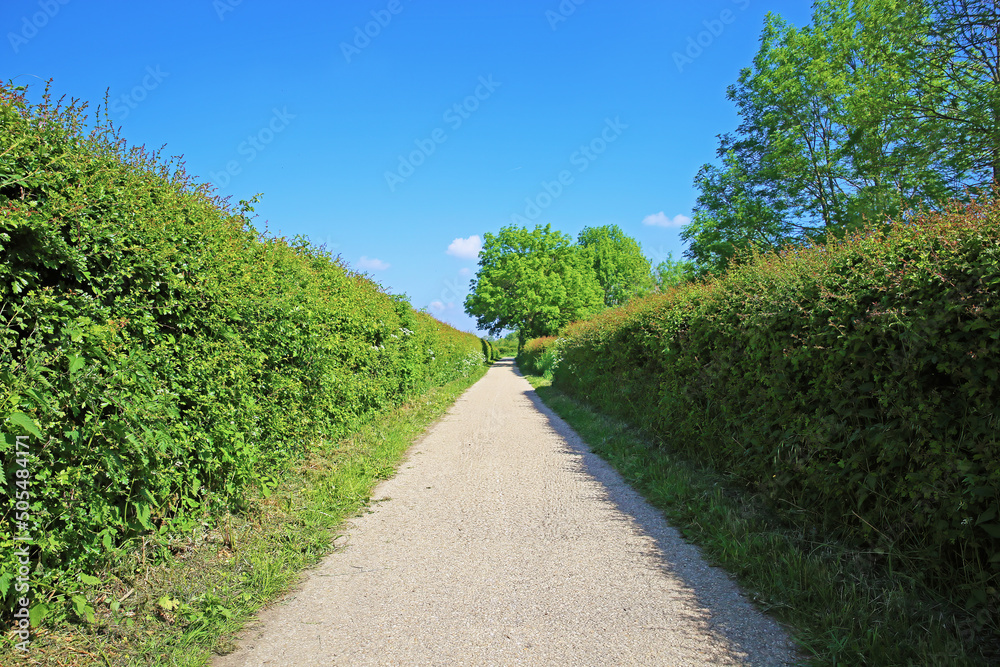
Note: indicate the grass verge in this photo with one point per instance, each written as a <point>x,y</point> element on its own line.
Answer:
<point>180,598</point>
<point>842,606</point>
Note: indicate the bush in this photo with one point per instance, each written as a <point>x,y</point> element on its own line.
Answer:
<point>540,356</point>
<point>163,357</point>
<point>490,352</point>
<point>855,385</point>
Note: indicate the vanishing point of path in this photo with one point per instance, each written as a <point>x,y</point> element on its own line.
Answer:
<point>503,541</point>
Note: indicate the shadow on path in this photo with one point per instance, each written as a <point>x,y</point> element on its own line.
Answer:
<point>723,610</point>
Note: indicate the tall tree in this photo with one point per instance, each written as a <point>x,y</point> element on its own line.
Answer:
<point>960,87</point>
<point>621,268</point>
<point>830,132</point>
<point>737,208</point>
<point>533,281</point>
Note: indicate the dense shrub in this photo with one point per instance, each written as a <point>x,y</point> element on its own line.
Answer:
<point>161,354</point>
<point>490,351</point>
<point>540,356</point>
<point>854,384</point>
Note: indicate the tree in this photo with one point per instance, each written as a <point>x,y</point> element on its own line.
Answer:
<point>737,208</point>
<point>829,135</point>
<point>621,268</point>
<point>533,281</point>
<point>959,81</point>
<point>673,272</point>
<point>508,344</point>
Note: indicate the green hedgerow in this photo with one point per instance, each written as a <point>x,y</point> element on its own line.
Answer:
<point>854,384</point>
<point>161,355</point>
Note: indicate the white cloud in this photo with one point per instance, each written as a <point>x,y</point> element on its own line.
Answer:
<point>465,272</point>
<point>466,248</point>
<point>661,220</point>
<point>442,306</point>
<point>372,264</point>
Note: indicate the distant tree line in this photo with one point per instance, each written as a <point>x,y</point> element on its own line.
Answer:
<point>534,282</point>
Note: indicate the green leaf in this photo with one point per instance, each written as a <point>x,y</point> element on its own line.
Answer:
<point>38,614</point>
<point>83,609</point>
<point>988,515</point>
<point>992,529</point>
<point>38,398</point>
<point>168,603</point>
<point>89,580</point>
<point>25,422</point>
<point>75,362</point>
<point>142,514</point>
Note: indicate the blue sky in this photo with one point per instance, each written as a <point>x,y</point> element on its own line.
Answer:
<point>396,130</point>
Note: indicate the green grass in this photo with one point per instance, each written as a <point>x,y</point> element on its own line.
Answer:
<point>182,597</point>
<point>841,606</point>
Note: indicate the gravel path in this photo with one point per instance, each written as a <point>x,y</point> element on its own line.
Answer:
<point>503,541</point>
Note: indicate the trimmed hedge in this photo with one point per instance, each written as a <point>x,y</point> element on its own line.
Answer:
<point>490,351</point>
<point>855,384</point>
<point>163,357</point>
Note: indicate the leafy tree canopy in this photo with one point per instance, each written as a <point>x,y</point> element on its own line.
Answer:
<point>876,107</point>
<point>673,272</point>
<point>533,281</point>
<point>621,268</point>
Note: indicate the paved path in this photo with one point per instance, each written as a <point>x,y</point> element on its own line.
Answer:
<point>503,541</point>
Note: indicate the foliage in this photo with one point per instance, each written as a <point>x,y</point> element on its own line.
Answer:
<point>621,268</point>
<point>736,211</point>
<point>532,281</point>
<point>960,86</point>
<point>854,384</point>
<point>540,356</point>
<point>840,607</point>
<point>490,351</point>
<point>873,108</point>
<point>507,346</point>
<point>163,356</point>
<point>673,272</point>
<point>208,583</point>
